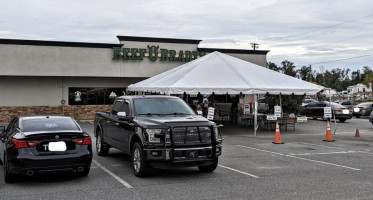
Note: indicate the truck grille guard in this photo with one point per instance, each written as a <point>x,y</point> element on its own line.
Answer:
<point>187,137</point>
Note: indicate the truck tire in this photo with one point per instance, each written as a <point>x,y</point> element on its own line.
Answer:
<point>342,120</point>
<point>101,148</point>
<point>209,168</point>
<point>140,167</point>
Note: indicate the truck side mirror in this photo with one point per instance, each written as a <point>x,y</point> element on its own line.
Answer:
<point>122,115</point>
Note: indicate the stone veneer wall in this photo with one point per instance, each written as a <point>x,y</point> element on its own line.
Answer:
<point>81,112</point>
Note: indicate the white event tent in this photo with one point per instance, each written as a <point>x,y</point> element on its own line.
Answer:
<point>221,74</point>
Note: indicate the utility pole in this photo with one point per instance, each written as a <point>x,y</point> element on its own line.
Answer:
<point>254,45</point>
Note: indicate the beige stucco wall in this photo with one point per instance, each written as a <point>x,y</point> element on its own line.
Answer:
<point>27,60</point>
<point>258,59</point>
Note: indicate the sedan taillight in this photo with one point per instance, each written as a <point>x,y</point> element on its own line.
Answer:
<point>84,141</point>
<point>17,144</point>
<point>337,111</point>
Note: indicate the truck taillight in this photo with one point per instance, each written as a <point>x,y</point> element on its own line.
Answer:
<point>18,144</point>
<point>83,141</point>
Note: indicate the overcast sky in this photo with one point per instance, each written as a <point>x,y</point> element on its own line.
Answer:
<point>306,32</point>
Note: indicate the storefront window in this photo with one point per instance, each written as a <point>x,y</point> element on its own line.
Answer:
<point>94,96</point>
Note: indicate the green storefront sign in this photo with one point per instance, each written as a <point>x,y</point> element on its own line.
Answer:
<point>154,52</point>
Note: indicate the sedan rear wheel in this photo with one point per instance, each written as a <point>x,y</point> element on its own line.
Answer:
<point>101,147</point>
<point>8,177</point>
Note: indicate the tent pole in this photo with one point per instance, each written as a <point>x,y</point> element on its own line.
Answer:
<point>281,105</point>
<point>255,114</point>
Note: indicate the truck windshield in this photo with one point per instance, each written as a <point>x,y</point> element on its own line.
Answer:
<point>161,106</point>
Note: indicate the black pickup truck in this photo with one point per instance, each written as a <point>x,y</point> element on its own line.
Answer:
<point>160,132</point>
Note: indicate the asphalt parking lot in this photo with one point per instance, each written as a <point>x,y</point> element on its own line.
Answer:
<point>305,167</point>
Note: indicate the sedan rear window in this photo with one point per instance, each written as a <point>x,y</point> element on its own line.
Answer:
<point>49,124</point>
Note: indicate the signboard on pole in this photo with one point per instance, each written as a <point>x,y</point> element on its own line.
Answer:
<point>247,109</point>
<point>210,113</point>
<point>327,112</point>
<point>278,112</point>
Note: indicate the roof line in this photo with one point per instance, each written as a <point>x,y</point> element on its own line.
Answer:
<point>153,39</point>
<point>240,51</point>
<point>57,43</point>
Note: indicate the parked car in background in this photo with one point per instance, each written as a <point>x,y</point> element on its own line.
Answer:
<point>44,144</point>
<point>307,101</point>
<point>316,110</point>
<point>364,109</point>
<point>347,103</point>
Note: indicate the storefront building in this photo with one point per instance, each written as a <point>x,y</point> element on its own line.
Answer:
<point>78,79</point>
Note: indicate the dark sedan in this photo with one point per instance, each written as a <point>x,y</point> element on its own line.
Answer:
<point>363,109</point>
<point>347,103</point>
<point>316,110</point>
<point>44,144</point>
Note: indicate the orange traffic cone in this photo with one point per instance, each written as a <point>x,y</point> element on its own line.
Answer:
<point>357,134</point>
<point>328,137</point>
<point>277,135</point>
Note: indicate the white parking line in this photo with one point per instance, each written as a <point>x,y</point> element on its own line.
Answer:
<point>322,162</point>
<point>326,153</point>
<point>123,182</point>
<point>322,146</point>
<point>252,175</point>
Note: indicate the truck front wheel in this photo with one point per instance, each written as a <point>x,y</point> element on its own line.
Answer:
<point>140,167</point>
<point>209,168</point>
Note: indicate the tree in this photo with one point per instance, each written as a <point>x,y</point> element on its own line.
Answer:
<point>356,77</point>
<point>366,71</point>
<point>368,81</point>
<point>305,73</point>
<point>273,66</point>
<point>288,68</point>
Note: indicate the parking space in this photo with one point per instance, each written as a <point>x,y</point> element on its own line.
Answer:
<point>251,167</point>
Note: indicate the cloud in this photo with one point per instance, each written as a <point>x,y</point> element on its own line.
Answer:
<point>290,29</point>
